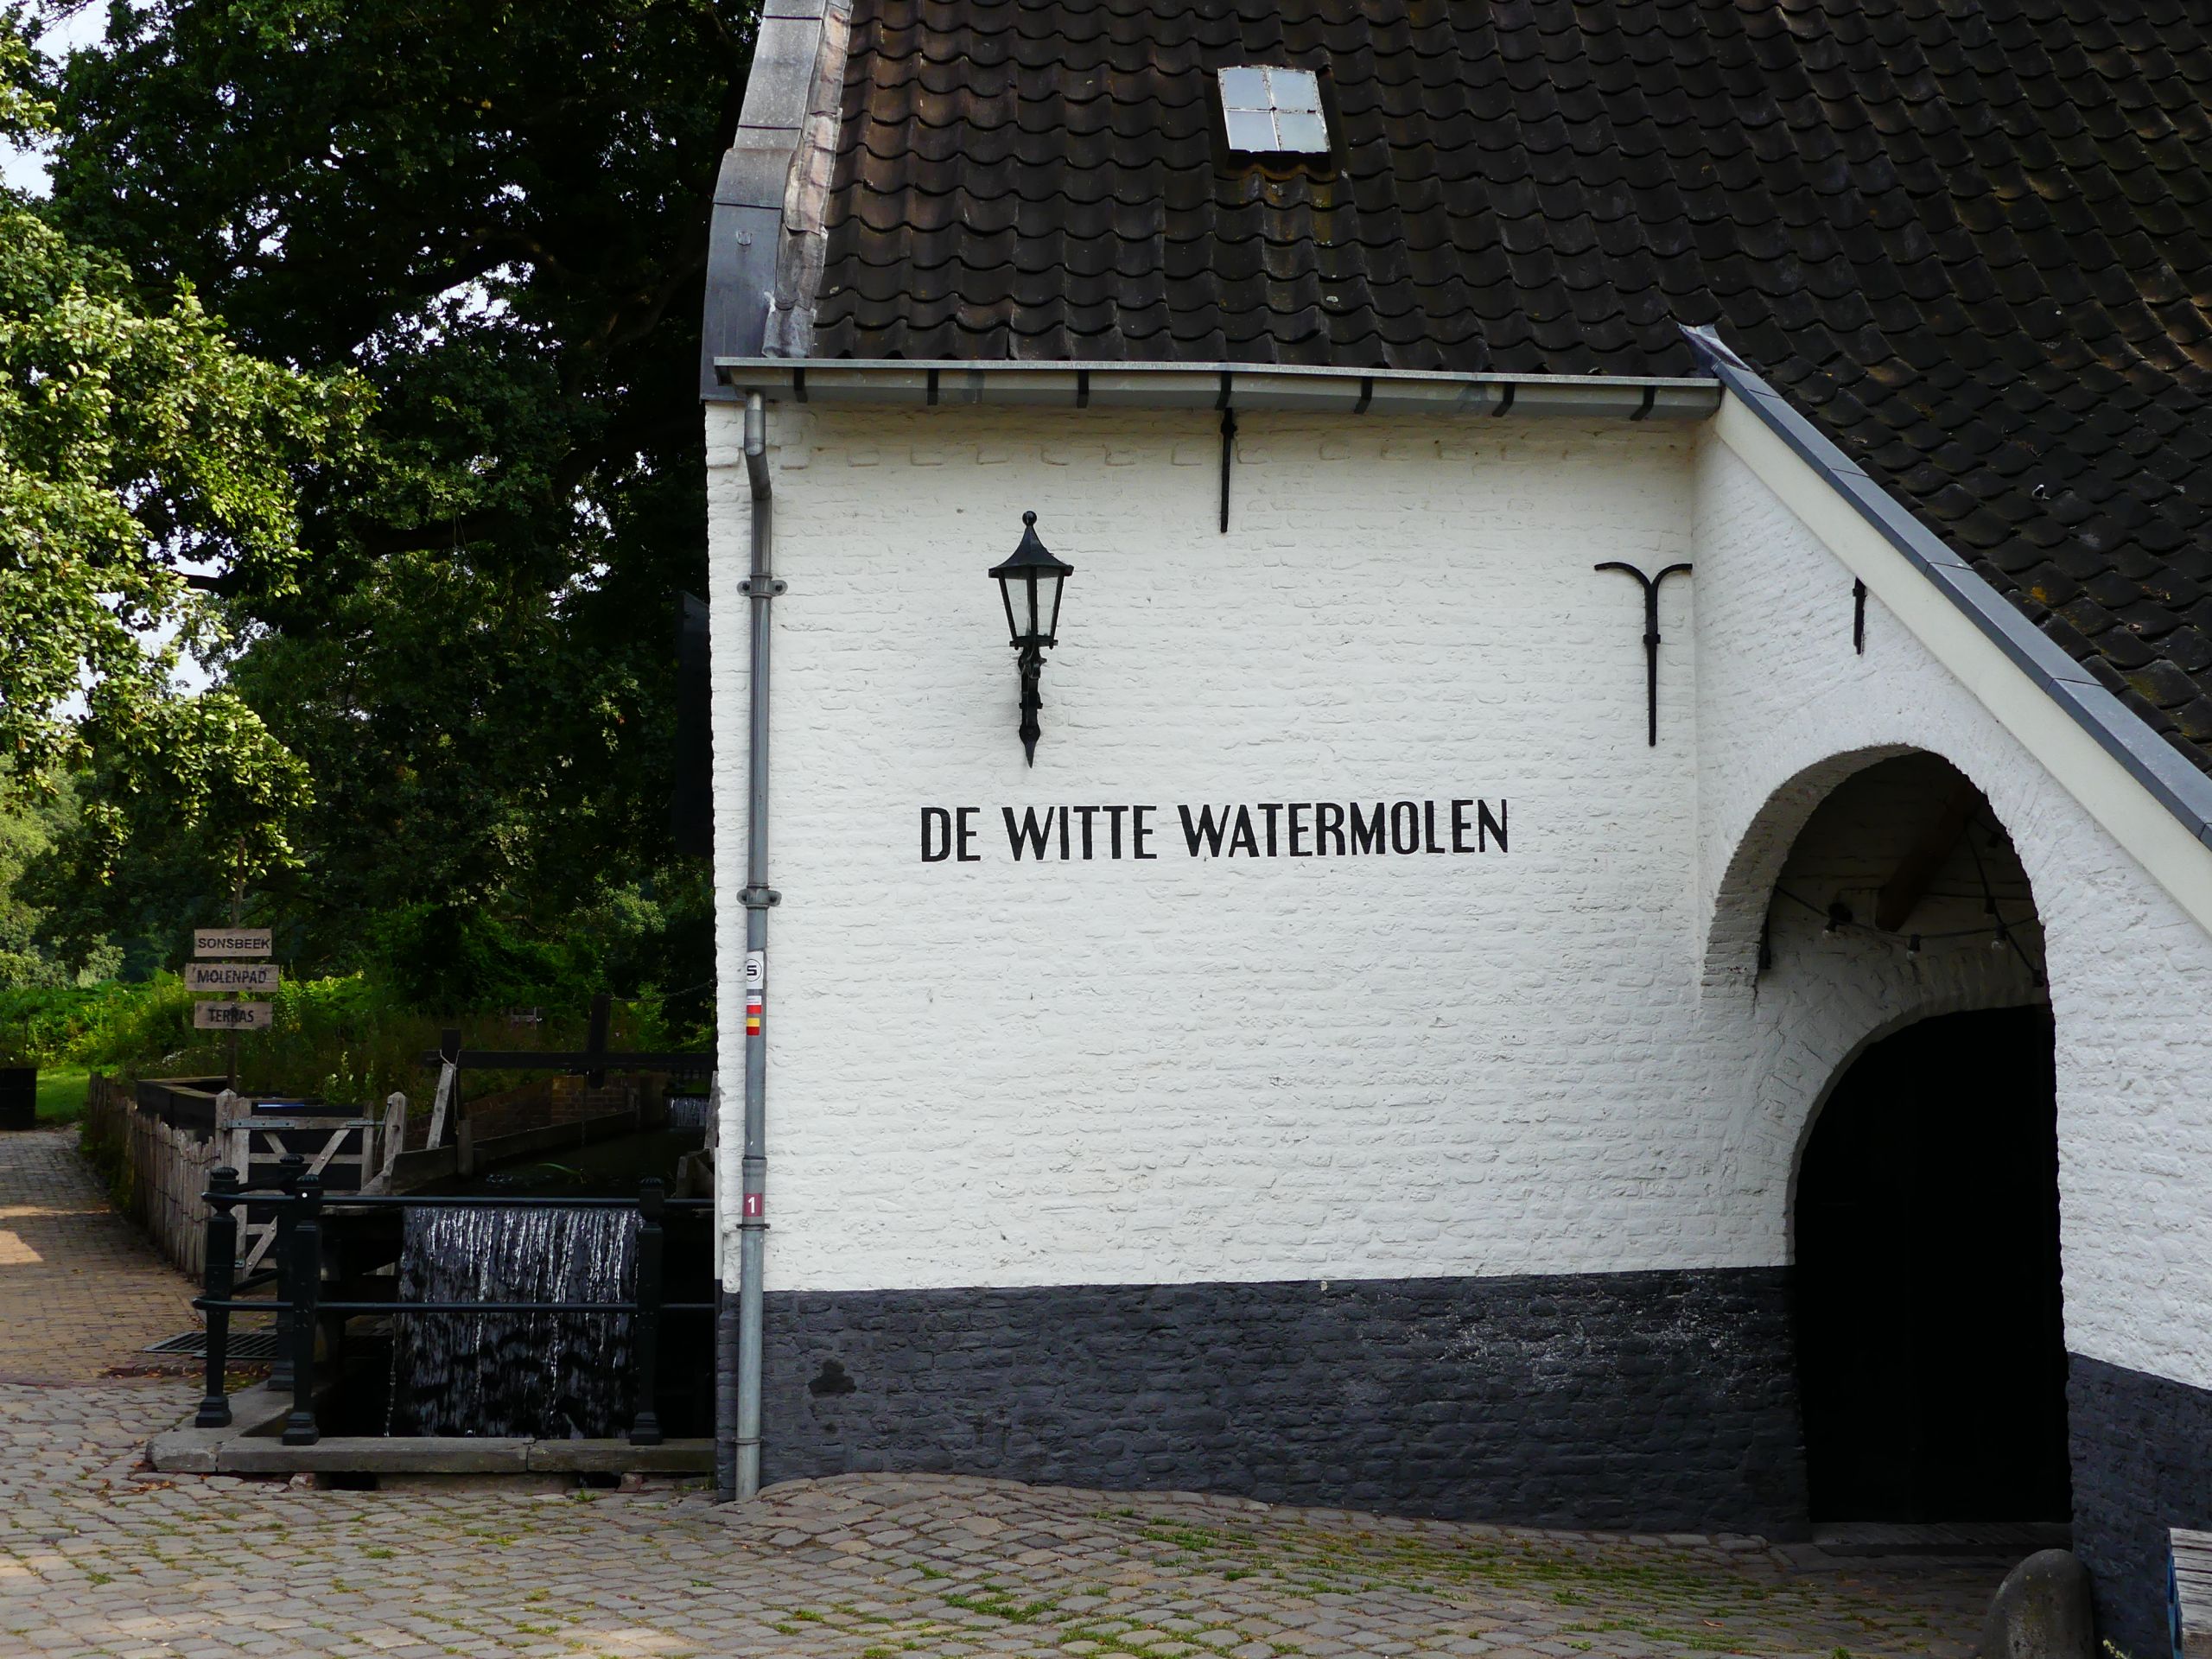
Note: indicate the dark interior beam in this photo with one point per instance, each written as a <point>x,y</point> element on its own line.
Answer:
<point>1908,884</point>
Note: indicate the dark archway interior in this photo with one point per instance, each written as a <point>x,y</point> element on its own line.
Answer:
<point>1931,1352</point>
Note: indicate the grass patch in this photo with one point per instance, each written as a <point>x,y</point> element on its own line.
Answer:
<point>62,1093</point>
<point>996,1604</point>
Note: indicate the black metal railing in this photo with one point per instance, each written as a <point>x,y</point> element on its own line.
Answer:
<point>300,1207</point>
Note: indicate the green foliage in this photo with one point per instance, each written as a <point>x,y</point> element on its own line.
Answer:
<point>345,1037</point>
<point>496,214</point>
<point>24,115</point>
<point>136,444</point>
<point>453,955</point>
<point>28,831</point>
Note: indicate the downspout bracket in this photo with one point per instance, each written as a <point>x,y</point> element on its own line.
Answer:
<point>759,898</point>
<point>772,587</point>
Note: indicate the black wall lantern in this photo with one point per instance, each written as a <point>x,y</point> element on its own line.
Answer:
<point>1029,584</point>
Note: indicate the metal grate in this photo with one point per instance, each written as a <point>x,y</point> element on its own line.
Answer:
<point>244,1345</point>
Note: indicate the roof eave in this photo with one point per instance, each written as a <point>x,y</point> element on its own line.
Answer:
<point>1239,386</point>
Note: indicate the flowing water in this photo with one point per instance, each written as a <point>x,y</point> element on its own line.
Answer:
<point>551,1377</point>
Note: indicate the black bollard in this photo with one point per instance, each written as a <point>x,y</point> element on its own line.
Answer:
<point>645,1328</point>
<point>291,1169</point>
<point>305,1283</point>
<point>222,1261</point>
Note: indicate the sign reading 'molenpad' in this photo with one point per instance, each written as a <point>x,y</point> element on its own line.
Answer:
<point>966,835</point>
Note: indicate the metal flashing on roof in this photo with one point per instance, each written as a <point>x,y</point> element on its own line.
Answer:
<point>767,236</point>
<point>2181,788</point>
<point>1220,386</point>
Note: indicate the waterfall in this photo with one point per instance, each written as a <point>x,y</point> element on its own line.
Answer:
<point>549,1377</point>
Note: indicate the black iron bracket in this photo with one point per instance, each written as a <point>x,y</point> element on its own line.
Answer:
<point>1859,616</point>
<point>1031,664</point>
<point>1650,636</point>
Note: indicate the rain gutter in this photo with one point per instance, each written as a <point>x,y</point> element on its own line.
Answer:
<point>1239,386</point>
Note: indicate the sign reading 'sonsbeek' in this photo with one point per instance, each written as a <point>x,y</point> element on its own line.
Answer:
<point>965,835</point>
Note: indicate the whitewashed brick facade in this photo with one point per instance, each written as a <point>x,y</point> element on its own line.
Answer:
<point>1555,1058</point>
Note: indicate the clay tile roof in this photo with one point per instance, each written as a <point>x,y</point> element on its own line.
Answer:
<point>1970,240</point>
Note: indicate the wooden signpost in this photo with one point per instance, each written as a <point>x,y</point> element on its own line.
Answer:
<point>232,1016</point>
<point>229,978</point>
<point>230,942</point>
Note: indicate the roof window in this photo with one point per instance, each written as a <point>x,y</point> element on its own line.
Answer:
<point>1271,110</point>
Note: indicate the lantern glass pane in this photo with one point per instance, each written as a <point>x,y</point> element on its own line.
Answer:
<point>1006,599</point>
<point>1049,607</point>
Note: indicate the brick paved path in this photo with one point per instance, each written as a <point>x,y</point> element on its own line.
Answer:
<point>81,1293</point>
<point>98,1556</point>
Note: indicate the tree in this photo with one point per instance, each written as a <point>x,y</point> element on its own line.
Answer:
<point>497,212</point>
<point>139,450</point>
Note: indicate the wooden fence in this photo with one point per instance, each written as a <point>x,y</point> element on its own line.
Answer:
<point>156,1171</point>
<point>160,1170</point>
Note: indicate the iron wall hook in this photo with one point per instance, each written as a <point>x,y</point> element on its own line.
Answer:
<point>1650,585</point>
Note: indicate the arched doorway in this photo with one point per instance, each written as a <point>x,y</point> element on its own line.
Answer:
<point>1931,1353</point>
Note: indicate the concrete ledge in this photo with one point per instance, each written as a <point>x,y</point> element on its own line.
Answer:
<point>188,1450</point>
<point>373,1454</point>
<point>250,1447</point>
<point>620,1457</point>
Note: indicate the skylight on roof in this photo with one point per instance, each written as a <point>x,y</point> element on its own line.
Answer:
<point>1272,111</point>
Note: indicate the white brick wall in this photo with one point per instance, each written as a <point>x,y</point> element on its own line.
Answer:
<point>994,1073</point>
<point>1779,697</point>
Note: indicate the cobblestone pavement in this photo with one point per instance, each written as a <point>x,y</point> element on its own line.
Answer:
<point>81,1293</point>
<point>99,1555</point>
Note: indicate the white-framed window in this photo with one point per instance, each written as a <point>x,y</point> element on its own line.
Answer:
<point>1273,111</point>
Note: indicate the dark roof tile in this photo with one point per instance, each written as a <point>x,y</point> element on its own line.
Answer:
<point>1971,244</point>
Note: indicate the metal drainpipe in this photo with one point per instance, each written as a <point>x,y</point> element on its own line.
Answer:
<point>737,1463</point>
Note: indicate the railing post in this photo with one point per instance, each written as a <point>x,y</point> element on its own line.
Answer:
<point>306,1283</point>
<point>644,1327</point>
<point>222,1257</point>
<point>291,1169</point>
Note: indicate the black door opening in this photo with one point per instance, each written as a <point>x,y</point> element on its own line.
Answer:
<point>1931,1352</point>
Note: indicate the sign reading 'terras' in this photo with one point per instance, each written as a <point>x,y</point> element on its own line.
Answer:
<point>1256,829</point>
<point>232,1016</point>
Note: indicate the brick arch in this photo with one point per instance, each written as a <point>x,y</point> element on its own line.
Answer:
<point>1785,1040</point>
<point>1740,901</point>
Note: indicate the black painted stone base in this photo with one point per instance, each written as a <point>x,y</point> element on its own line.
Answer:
<point>2142,1464</point>
<point>1641,1400</point>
